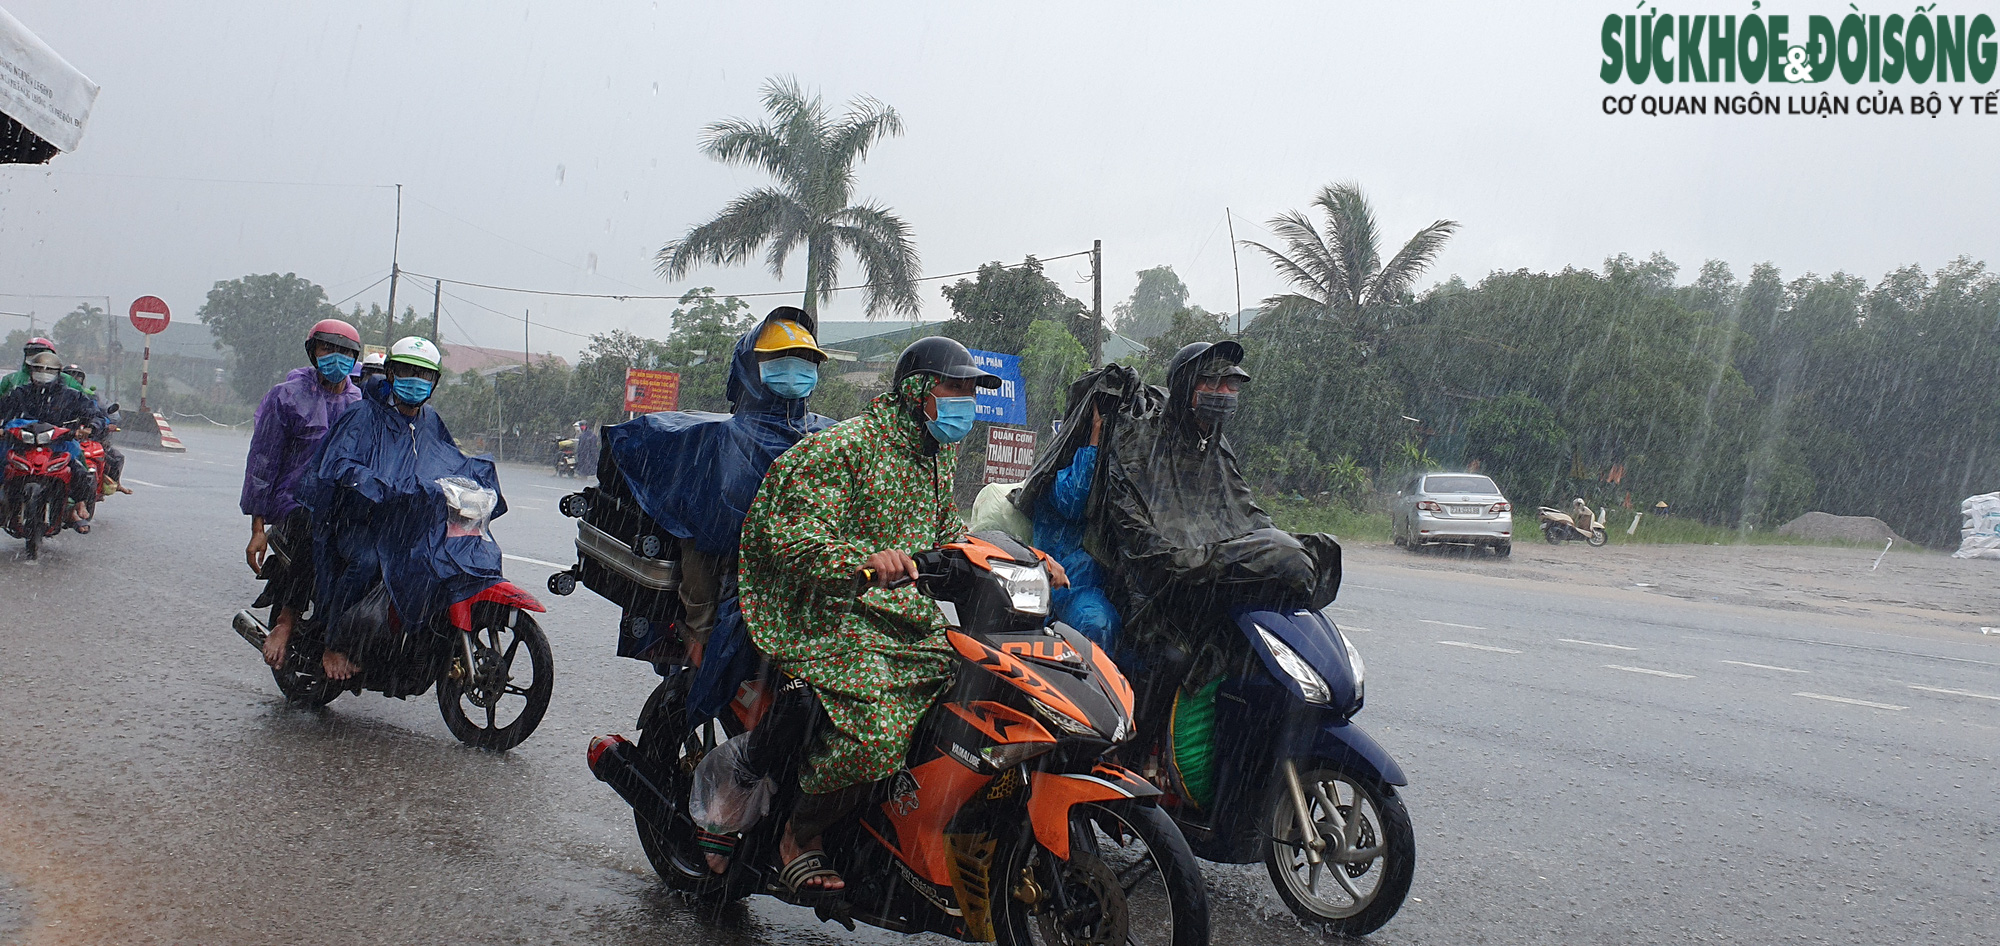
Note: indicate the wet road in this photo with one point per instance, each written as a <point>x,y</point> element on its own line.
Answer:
<point>1589,765</point>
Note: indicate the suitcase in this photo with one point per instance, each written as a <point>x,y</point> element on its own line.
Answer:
<point>622,554</point>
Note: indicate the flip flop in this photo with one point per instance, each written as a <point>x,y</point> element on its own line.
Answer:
<point>810,866</point>
<point>719,845</point>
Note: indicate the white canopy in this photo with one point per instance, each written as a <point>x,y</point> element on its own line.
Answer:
<point>39,89</point>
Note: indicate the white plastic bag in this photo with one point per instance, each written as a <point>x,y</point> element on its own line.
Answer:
<point>727,798</point>
<point>994,509</point>
<point>1980,533</point>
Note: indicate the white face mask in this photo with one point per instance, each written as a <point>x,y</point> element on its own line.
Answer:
<point>42,375</point>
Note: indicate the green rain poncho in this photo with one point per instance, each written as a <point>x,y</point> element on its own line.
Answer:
<point>863,486</point>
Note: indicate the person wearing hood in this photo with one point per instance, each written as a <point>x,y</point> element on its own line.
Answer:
<point>286,431</point>
<point>46,398</point>
<point>695,473</point>
<point>379,511</point>
<point>863,494</point>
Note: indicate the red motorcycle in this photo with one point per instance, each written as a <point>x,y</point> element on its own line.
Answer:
<point>37,485</point>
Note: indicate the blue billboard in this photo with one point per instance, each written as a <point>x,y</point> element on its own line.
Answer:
<point>1007,404</point>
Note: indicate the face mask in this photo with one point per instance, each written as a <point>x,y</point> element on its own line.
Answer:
<point>334,365</point>
<point>1214,407</point>
<point>43,376</point>
<point>789,377</point>
<point>954,419</point>
<point>412,390</point>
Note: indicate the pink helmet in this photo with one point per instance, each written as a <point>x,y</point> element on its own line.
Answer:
<point>335,332</point>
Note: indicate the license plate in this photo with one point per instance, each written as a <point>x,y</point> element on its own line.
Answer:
<point>1467,510</point>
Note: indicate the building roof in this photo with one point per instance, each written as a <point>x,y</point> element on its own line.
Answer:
<point>459,358</point>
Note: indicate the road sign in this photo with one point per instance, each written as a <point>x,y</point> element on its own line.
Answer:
<point>1006,404</point>
<point>647,390</point>
<point>1010,454</point>
<point>149,315</point>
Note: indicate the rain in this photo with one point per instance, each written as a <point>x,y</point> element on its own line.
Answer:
<point>1363,473</point>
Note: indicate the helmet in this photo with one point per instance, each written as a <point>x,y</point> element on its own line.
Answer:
<point>1195,361</point>
<point>943,357</point>
<point>42,361</point>
<point>413,350</point>
<point>74,371</point>
<point>334,332</point>
<point>36,344</point>
<point>782,332</point>
<point>374,361</point>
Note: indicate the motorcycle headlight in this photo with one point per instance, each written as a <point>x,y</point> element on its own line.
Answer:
<point>1360,669</point>
<point>1014,753</point>
<point>1027,586</point>
<point>1311,684</point>
<point>1061,720</point>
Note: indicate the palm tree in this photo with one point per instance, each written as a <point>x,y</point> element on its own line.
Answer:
<point>812,155</point>
<point>1340,275</point>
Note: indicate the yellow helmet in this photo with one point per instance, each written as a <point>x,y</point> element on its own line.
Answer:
<point>786,335</point>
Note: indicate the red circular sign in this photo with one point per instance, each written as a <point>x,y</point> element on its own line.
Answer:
<point>149,315</point>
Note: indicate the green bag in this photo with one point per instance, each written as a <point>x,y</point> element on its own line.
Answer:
<point>1194,742</point>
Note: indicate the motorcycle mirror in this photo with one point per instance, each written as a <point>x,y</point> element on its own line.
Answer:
<point>113,409</point>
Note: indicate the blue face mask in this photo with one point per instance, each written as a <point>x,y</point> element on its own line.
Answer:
<point>411,390</point>
<point>334,365</point>
<point>954,419</point>
<point>789,377</point>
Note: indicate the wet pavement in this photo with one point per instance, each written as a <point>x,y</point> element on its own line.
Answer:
<point>1589,765</point>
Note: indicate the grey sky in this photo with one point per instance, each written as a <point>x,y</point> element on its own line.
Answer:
<point>535,137</point>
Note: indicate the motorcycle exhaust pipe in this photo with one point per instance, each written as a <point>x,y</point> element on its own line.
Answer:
<point>251,629</point>
<point>615,762</point>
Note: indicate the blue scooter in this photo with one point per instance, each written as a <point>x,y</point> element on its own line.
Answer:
<point>1264,763</point>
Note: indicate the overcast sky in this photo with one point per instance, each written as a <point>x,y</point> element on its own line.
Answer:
<point>554,145</point>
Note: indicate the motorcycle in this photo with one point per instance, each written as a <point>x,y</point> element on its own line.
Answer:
<point>1559,527</point>
<point>469,652</point>
<point>37,483</point>
<point>565,458</point>
<point>1284,776</point>
<point>1003,826</point>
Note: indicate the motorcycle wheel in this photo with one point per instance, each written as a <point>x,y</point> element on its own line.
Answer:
<point>670,749</point>
<point>1549,532</point>
<point>1130,878</point>
<point>1354,890</point>
<point>499,635</point>
<point>1597,538</point>
<point>34,518</point>
<point>306,689</point>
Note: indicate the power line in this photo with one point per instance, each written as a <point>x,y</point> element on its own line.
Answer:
<point>503,314</point>
<point>361,290</point>
<point>676,298</point>
<point>510,240</point>
<point>214,180</point>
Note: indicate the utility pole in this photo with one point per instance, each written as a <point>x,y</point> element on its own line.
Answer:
<point>1097,302</point>
<point>395,269</point>
<point>1231,219</point>
<point>110,352</point>
<point>437,297</point>
<point>524,342</point>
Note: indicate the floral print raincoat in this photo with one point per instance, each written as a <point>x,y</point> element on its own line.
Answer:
<point>869,484</point>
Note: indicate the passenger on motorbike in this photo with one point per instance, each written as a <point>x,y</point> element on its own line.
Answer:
<point>1059,528</point>
<point>290,422</point>
<point>114,458</point>
<point>33,347</point>
<point>48,399</point>
<point>1579,512</point>
<point>356,496</point>
<point>862,494</point>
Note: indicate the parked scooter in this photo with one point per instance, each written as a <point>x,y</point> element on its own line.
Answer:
<point>34,497</point>
<point>1265,763</point>
<point>1559,527</point>
<point>1003,827</point>
<point>565,460</point>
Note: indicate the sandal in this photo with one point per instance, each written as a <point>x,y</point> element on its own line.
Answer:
<point>717,845</point>
<point>808,867</point>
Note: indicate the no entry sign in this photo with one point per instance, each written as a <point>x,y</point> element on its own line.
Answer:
<point>149,315</point>
<point>647,390</point>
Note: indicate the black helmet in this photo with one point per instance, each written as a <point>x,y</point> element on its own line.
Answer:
<point>943,357</point>
<point>1198,360</point>
<point>74,371</point>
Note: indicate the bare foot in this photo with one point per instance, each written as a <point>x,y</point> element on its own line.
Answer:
<point>717,863</point>
<point>123,488</point>
<point>337,666</point>
<point>789,849</point>
<point>281,634</point>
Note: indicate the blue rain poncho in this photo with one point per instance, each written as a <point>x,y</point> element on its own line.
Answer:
<point>380,514</point>
<point>695,473</point>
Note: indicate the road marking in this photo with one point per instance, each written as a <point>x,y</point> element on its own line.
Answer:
<point>1346,610</point>
<point>1656,673</point>
<point>1497,650</point>
<point>149,485</point>
<point>559,489</point>
<point>1572,640</point>
<point>1350,627</point>
<point>1899,653</point>
<point>1469,627</point>
<point>535,561</point>
<point>1363,587</point>
<point>1976,696</point>
<point>1744,663</point>
<point>1842,699</point>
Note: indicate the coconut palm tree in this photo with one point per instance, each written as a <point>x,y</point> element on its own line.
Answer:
<point>1340,274</point>
<point>811,155</point>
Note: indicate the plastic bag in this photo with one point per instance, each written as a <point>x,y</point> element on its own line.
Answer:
<point>994,509</point>
<point>727,797</point>
<point>1981,529</point>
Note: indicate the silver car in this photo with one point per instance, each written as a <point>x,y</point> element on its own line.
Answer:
<point>1452,509</point>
